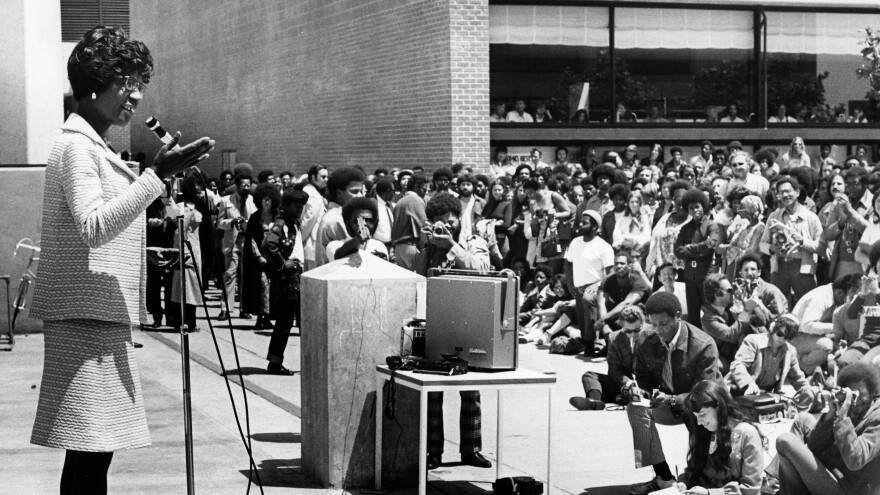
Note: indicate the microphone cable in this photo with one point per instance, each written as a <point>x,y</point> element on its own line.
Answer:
<point>246,440</point>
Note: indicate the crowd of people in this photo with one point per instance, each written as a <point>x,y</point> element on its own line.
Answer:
<point>756,271</point>
<point>731,113</point>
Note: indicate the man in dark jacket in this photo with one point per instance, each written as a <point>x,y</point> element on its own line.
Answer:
<point>285,257</point>
<point>669,360</point>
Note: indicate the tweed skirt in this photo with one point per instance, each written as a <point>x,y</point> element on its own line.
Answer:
<point>90,395</point>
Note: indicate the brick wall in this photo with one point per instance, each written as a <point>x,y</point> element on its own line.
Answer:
<point>469,28</point>
<point>380,83</point>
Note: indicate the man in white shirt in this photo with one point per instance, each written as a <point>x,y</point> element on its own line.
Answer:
<point>314,211</point>
<point>731,118</point>
<point>519,114</point>
<point>588,260</point>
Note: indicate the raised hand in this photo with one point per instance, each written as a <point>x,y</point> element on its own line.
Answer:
<point>172,159</point>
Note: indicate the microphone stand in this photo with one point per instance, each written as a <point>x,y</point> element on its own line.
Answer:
<point>184,364</point>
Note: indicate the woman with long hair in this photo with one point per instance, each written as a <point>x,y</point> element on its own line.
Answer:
<point>92,270</point>
<point>656,156</point>
<point>255,289</point>
<point>632,232</point>
<point>520,240</point>
<point>498,209</point>
<point>725,452</point>
<point>796,156</point>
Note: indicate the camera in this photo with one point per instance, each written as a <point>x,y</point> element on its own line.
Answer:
<point>744,288</point>
<point>839,394</point>
<point>439,228</point>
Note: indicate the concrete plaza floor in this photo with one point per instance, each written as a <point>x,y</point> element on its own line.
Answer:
<point>591,454</point>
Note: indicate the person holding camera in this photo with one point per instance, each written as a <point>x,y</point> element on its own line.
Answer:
<point>235,210</point>
<point>840,452</point>
<point>765,360</point>
<point>445,247</point>
<point>863,314</point>
<point>724,318</point>
<point>285,256</point>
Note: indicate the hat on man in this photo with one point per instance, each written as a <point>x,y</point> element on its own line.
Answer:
<point>595,216</point>
<point>734,145</point>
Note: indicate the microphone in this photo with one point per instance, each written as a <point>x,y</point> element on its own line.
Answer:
<point>159,131</point>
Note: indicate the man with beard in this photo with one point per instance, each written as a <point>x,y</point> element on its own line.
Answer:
<point>471,204</point>
<point>588,260</point>
<point>235,210</point>
<point>441,180</point>
<point>447,247</point>
<point>284,255</point>
<point>314,210</point>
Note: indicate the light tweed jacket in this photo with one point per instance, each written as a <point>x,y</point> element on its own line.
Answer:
<point>92,264</point>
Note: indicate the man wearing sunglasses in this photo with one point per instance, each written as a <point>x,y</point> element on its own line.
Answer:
<point>720,321</point>
<point>765,360</point>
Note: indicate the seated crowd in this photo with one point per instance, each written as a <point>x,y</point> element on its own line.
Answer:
<point>727,274</point>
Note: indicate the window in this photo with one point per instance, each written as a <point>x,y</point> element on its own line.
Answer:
<point>811,63</point>
<point>682,65</point>
<point>550,56</point>
<point>79,16</point>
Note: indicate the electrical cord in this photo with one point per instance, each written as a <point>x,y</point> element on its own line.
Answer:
<point>246,440</point>
<point>253,471</point>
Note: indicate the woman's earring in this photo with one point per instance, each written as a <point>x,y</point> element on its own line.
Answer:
<point>94,96</point>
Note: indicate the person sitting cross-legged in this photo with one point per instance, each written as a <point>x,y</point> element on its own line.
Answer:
<point>600,388</point>
<point>669,359</point>
<point>765,360</point>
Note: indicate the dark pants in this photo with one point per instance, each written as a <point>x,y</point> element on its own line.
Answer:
<point>189,316</point>
<point>285,311</point>
<point>790,280</point>
<point>156,282</point>
<point>602,383</point>
<point>469,421</point>
<point>85,473</point>
<point>693,292</point>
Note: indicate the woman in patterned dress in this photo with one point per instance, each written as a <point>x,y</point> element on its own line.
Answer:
<point>91,280</point>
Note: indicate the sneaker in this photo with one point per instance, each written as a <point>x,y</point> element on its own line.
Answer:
<point>654,485</point>
<point>586,404</point>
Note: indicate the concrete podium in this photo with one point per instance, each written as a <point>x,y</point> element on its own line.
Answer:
<point>352,313</point>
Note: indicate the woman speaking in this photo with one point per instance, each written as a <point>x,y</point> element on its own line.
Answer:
<point>91,279</point>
